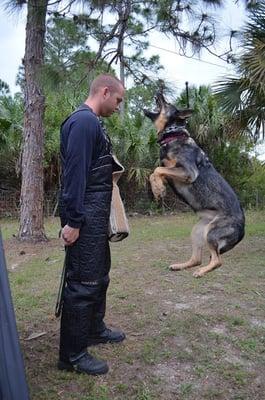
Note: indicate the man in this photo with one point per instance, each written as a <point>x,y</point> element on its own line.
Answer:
<point>85,199</point>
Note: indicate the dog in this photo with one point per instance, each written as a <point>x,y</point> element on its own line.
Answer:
<point>187,169</point>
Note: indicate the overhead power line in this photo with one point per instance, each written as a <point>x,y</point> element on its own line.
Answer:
<point>190,58</point>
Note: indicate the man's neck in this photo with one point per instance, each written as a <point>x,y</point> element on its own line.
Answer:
<point>93,104</point>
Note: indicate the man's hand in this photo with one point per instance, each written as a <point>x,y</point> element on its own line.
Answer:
<point>69,235</point>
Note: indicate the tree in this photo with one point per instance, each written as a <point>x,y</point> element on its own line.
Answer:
<point>31,200</point>
<point>244,96</point>
<point>66,76</point>
<point>125,37</point>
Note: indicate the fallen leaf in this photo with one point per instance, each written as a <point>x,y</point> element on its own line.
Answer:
<point>35,335</point>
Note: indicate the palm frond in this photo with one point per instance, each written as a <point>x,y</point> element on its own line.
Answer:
<point>230,92</point>
<point>139,175</point>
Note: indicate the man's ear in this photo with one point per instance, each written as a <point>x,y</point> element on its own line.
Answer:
<point>106,92</point>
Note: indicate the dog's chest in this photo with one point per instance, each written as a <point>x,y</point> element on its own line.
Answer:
<point>173,153</point>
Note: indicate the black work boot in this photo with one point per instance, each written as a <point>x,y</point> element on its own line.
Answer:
<point>84,363</point>
<point>106,336</point>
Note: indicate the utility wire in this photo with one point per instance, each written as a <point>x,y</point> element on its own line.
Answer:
<point>191,58</point>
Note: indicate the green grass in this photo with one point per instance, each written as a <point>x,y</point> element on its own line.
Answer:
<point>147,226</point>
<point>187,338</point>
<point>9,227</point>
<point>255,223</point>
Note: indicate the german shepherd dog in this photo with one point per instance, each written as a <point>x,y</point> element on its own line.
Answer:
<point>186,168</point>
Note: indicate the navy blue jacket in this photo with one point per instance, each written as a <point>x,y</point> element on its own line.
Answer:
<point>83,142</point>
<point>86,191</point>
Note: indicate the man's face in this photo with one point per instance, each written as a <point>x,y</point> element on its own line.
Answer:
<point>111,101</point>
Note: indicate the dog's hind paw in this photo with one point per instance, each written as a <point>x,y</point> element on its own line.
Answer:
<point>189,264</point>
<point>198,274</point>
<point>208,268</point>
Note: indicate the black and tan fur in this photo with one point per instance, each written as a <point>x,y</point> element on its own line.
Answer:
<point>186,168</point>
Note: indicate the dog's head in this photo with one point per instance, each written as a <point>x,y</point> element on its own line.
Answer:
<point>166,114</point>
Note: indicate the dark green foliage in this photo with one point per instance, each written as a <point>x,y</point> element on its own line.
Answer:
<point>244,95</point>
<point>11,126</point>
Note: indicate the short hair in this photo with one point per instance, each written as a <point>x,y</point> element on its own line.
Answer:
<point>105,80</point>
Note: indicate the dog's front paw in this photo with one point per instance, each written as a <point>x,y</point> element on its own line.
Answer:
<point>158,187</point>
<point>176,267</point>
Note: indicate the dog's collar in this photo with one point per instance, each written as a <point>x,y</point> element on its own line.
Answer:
<point>173,132</point>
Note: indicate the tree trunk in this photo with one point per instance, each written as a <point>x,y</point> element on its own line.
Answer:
<point>31,198</point>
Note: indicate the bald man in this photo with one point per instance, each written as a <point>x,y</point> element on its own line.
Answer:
<point>84,206</point>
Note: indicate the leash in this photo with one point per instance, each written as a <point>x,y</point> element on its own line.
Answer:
<point>59,302</point>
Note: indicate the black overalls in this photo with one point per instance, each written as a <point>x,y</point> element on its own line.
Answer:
<point>88,259</point>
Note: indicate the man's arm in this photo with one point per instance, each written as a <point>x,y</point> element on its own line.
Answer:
<point>79,152</point>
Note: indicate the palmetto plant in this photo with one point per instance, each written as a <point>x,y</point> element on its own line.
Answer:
<point>11,131</point>
<point>134,142</point>
<point>11,120</point>
<point>244,96</point>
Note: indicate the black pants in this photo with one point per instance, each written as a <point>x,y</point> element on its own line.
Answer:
<point>84,297</point>
<point>82,315</point>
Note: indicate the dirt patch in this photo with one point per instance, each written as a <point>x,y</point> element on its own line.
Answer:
<point>18,253</point>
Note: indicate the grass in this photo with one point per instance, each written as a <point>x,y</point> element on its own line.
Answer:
<point>187,338</point>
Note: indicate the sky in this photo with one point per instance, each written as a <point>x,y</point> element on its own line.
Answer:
<point>12,45</point>
<point>177,69</point>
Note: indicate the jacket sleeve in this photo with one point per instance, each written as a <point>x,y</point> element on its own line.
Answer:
<point>81,145</point>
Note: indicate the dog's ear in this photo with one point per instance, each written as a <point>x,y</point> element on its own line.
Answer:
<point>160,99</point>
<point>159,95</point>
<point>185,113</point>
<point>150,114</point>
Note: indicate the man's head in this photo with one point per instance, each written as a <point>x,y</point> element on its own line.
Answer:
<point>105,95</point>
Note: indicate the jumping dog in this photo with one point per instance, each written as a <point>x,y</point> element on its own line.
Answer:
<point>187,169</point>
